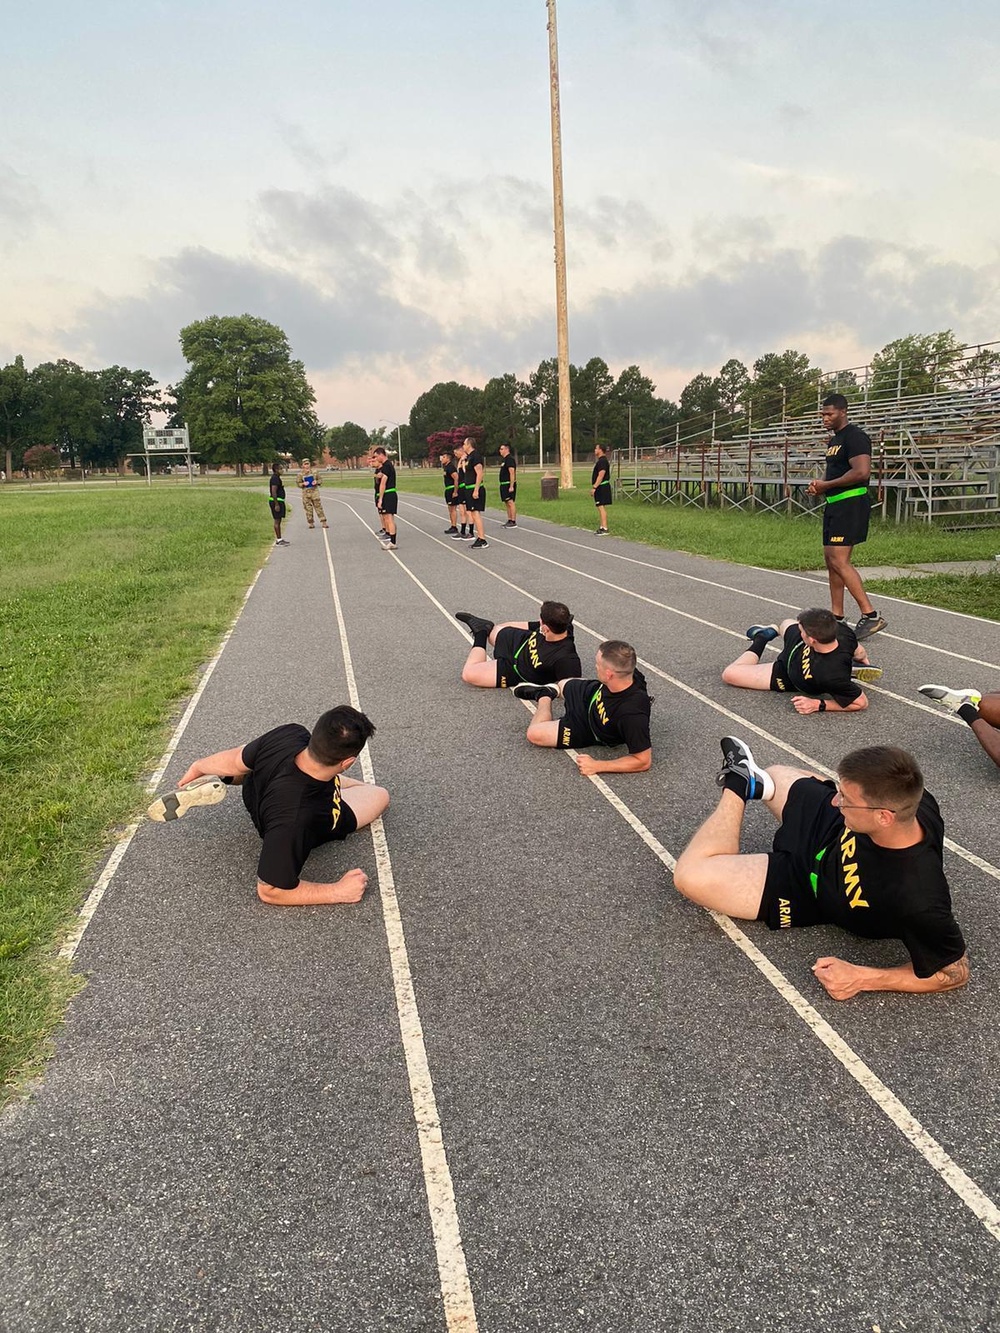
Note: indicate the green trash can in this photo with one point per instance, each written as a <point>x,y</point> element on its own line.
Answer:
<point>550,488</point>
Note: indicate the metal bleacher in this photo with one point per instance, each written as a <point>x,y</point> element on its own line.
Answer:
<point>935,458</point>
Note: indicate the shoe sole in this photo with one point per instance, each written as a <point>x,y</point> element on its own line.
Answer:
<point>176,804</point>
<point>864,632</point>
<point>868,675</point>
<point>941,693</point>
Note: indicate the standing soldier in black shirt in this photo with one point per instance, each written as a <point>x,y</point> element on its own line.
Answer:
<point>600,488</point>
<point>386,499</point>
<point>863,853</point>
<point>611,710</point>
<point>817,659</point>
<point>539,650</point>
<point>508,484</point>
<point>475,492</point>
<point>848,509</point>
<point>450,470</point>
<point>277,503</point>
<point>295,790</point>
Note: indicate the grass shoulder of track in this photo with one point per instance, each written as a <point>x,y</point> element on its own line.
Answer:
<point>772,541</point>
<point>110,601</point>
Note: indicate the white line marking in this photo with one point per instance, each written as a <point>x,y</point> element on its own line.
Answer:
<point>459,1309</point>
<point>725,587</point>
<point>93,901</point>
<point>975,1199</point>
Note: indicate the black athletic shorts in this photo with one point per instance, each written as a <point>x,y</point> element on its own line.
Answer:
<point>603,495</point>
<point>808,824</point>
<point>278,509</point>
<point>476,504</point>
<point>390,503</point>
<point>845,522</point>
<point>346,824</point>
<point>574,729</point>
<point>463,496</point>
<point>508,492</point>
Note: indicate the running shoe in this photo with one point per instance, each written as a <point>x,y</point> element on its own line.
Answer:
<point>535,692</point>
<point>740,772</point>
<point>474,623</point>
<point>953,700</point>
<point>457,536</point>
<point>601,532</point>
<point>469,537</point>
<point>450,532</point>
<point>867,675</point>
<point>869,625</point>
<point>510,524</point>
<point>768,631</point>
<point>480,542</point>
<point>208,790</point>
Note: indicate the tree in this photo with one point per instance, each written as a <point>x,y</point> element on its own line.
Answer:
<point>699,399</point>
<point>18,410</point>
<point>506,413</point>
<point>41,458</point>
<point>348,443</point>
<point>543,397</point>
<point>126,398</point>
<point>634,391</point>
<point>783,382</point>
<point>591,387</point>
<point>979,370</point>
<point>244,398</point>
<point>915,364</point>
<point>446,405</point>
<point>68,408</point>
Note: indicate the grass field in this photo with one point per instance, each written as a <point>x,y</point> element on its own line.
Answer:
<point>109,601</point>
<point>111,598</point>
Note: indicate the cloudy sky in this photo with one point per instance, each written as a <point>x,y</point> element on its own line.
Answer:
<point>374,176</point>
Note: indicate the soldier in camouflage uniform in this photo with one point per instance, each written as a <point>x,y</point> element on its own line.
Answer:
<point>312,505</point>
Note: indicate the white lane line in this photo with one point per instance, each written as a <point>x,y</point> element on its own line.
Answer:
<point>725,587</point>
<point>975,1199</point>
<point>963,852</point>
<point>459,1309</point>
<point>93,901</point>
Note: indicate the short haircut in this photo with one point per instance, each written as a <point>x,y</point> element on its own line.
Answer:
<point>603,447</point>
<point>341,733</point>
<point>275,467</point>
<point>469,441</point>
<point>381,451</point>
<point>819,623</point>
<point>619,656</point>
<point>890,778</point>
<point>836,400</point>
<point>444,453</point>
<point>556,615</point>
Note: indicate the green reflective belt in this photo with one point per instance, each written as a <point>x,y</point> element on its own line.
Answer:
<point>517,654</point>
<point>389,490</point>
<point>847,495</point>
<point>814,874</point>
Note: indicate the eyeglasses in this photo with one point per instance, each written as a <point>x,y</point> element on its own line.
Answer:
<point>849,805</point>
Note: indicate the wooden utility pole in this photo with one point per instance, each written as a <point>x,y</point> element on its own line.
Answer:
<point>559,227</point>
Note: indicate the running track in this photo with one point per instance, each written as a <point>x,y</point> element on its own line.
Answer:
<point>523,1085</point>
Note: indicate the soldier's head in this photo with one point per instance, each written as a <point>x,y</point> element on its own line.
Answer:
<point>878,786</point>
<point>556,618</point>
<point>615,658</point>
<point>819,624</point>
<point>340,734</point>
<point>834,411</point>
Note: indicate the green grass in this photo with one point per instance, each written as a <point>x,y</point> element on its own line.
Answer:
<point>110,600</point>
<point>976,594</point>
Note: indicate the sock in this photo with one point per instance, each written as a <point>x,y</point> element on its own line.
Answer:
<point>392,539</point>
<point>737,785</point>
<point>870,615</point>
<point>757,644</point>
<point>968,713</point>
<point>480,638</point>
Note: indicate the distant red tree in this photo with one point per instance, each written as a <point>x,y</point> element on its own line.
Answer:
<point>449,439</point>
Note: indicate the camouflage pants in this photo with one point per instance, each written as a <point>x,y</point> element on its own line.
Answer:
<point>311,506</point>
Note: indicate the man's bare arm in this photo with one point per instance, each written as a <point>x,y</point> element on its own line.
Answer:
<point>804,703</point>
<point>843,980</point>
<point>225,764</point>
<point>349,889</point>
<point>859,475</point>
<point>629,763</point>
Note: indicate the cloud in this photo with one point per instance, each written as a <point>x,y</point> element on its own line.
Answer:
<point>304,150</point>
<point>21,206</point>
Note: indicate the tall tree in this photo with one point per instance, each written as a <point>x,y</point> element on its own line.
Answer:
<point>915,364</point>
<point>69,408</point>
<point>633,395</point>
<point>979,370</point>
<point>127,398</point>
<point>781,381</point>
<point>244,398</point>
<point>18,412</point>
<point>349,442</point>
<point>699,399</point>
<point>591,387</point>
<point>444,406</point>
<point>506,413</point>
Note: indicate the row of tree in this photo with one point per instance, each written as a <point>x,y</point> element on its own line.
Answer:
<point>245,399</point>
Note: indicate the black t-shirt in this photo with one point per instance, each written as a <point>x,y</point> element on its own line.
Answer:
<point>450,476</point>
<point>472,461</point>
<point>601,472</point>
<point>387,470</point>
<point>801,670</point>
<point>507,465</point>
<point>620,718</point>
<point>277,487</point>
<point>524,655</point>
<point>849,443</point>
<point>889,893</point>
<point>291,811</point>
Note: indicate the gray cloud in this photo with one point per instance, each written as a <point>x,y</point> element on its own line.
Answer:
<point>305,150</point>
<point>21,206</point>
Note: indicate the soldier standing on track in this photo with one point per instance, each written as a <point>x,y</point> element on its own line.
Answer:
<point>475,492</point>
<point>847,512</point>
<point>312,505</point>
<point>450,469</point>
<point>600,488</point>
<point>277,503</point>
<point>508,484</point>
<point>386,499</point>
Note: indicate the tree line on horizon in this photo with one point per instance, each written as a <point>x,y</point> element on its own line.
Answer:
<point>246,401</point>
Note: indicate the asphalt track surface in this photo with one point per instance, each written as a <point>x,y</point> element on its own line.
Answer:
<point>548,1093</point>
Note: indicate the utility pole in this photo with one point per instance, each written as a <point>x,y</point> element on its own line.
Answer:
<point>559,227</point>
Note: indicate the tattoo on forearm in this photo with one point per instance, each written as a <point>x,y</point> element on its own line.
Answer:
<point>956,974</point>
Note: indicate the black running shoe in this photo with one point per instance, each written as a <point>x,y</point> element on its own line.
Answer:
<point>869,625</point>
<point>768,631</point>
<point>510,524</point>
<point>474,623</point>
<point>450,532</point>
<point>535,692</point>
<point>479,543</point>
<point>741,773</point>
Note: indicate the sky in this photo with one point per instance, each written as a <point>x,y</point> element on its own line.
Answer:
<point>375,178</point>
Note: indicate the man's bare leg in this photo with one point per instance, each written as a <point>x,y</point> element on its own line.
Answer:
<point>842,574</point>
<point>712,872</point>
